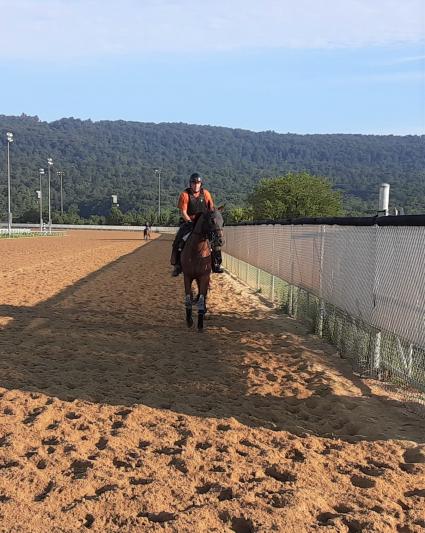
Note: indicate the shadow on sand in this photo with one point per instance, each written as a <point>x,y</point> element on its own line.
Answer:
<point>118,337</point>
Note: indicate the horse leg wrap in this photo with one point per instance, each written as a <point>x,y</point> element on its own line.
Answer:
<point>201,304</point>
<point>188,301</point>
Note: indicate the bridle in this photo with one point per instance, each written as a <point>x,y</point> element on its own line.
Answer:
<point>213,235</point>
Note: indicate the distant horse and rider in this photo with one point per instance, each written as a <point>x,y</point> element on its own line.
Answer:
<point>196,249</point>
<point>147,232</point>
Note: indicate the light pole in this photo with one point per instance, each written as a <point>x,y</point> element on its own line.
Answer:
<point>41,172</point>
<point>158,173</point>
<point>61,174</point>
<point>9,212</point>
<point>49,164</point>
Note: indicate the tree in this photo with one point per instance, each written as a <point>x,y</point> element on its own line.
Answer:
<point>294,195</point>
<point>116,218</point>
<point>69,217</point>
<point>117,157</point>
<point>238,214</point>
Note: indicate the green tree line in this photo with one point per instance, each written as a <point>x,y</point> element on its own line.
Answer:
<point>120,157</point>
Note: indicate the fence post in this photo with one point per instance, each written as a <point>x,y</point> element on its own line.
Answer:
<point>258,279</point>
<point>376,355</point>
<point>272,288</point>
<point>321,309</point>
<point>321,314</point>
<point>291,288</point>
<point>295,293</point>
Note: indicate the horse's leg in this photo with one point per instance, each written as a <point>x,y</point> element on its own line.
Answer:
<point>207,293</point>
<point>202,309</point>
<point>188,300</point>
<point>199,290</point>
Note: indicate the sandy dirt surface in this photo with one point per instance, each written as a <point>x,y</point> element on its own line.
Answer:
<point>115,417</point>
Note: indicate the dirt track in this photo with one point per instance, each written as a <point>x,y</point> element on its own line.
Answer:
<point>115,417</point>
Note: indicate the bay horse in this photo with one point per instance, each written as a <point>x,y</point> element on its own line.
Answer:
<point>196,260</point>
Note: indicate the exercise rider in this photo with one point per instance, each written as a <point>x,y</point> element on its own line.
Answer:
<point>193,201</point>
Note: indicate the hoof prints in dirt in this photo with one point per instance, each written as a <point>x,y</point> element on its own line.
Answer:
<point>296,456</point>
<point>41,465</point>
<point>102,443</point>
<point>50,441</point>
<point>372,471</point>
<point>118,463</point>
<point>226,494</point>
<point>181,443</point>
<point>45,492</point>
<point>206,488</point>
<point>141,481</point>
<point>79,469</point>
<point>203,446</point>
<point>324,518</point>
<point>106,488</point>
<point>343,509</point>
<point>420,493</point>
<point>159,518</point>
<point>116,425</point>
<point>4,441</point>
<point>72,415</point>
<point>282,476</point>
<point>89,521</point>
<point>9,464</point>
<point>179,464</point>
<point>237,524</point>
<point>362,482</point>
<point>169,451</point>
<point>33,415</point>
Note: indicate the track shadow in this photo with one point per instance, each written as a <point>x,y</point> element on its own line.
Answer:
<point>118,337</point>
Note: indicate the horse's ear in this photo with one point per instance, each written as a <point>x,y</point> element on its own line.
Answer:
<point>221,207</point>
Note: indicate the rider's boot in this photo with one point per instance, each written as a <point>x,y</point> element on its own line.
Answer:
<point>177,266</point>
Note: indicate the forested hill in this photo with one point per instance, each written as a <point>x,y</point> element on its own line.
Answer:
<point>104,158</point>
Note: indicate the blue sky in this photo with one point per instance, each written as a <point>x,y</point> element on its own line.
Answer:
<point>353,66</point>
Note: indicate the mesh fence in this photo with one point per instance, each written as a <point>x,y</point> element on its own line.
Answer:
<point>362,288</point>
<point>18,233</point>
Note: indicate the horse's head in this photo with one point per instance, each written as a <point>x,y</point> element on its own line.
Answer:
<point>213,226</point>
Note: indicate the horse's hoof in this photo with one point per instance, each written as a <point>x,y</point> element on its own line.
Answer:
<point>200,321</point>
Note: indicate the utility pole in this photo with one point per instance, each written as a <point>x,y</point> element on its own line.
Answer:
<point>61,174</point>
<point>158,173</point>
<point>9,212</point>
<point>49,164</point>
<point>41,172</point>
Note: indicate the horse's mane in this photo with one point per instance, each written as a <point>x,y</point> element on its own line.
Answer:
<point>199,215</point>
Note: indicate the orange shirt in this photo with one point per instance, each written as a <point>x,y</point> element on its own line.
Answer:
<point>183,202</point>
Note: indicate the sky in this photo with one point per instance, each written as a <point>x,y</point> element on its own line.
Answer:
<point>299,66</point>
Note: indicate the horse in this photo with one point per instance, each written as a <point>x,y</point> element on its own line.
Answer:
<point>147,233</point>
<point>196,260</point>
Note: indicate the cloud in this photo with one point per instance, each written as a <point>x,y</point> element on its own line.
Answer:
<point>55,29</point>
<point>403,60</point>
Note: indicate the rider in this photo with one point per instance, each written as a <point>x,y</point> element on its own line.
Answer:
<point>193,201</point>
